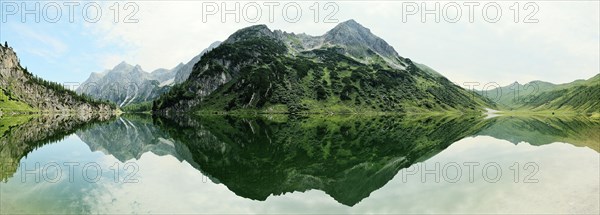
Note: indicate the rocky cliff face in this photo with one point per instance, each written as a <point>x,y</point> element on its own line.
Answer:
<point>360,43</point>
<point>355,41</point>
<point>20,85</point>
<point>127,84</point>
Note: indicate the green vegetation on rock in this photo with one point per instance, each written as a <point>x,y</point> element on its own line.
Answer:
<point>264,71</point>
<point>578,97</point>
<point>10,104</point>
<point>23,92</point>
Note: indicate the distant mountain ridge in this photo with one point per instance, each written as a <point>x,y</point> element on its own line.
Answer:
<point>357,41</point>
<point>348,69</point>
<point>127,84</point>
<point>581,96</point>
<point>510,96</point>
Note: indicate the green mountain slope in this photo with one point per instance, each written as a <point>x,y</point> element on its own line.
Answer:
<point>346,70</point>
<point>513,95</point>
<point>581,96</point>
<point>10,104</point>
<point>22,92</point>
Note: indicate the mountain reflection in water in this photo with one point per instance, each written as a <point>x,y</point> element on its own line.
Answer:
<point>347,157</point>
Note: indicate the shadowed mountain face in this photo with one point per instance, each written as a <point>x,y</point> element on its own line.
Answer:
<point>346,158</point>
<point>21,134</point>
<point>579,131</point>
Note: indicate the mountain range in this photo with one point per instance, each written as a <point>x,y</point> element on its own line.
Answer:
<point>581,96</point>
<point>127,84</point>
<point>348,69</point>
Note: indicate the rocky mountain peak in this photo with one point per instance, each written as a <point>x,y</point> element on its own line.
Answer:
<point>122,65</point>
<point>261,69</point>
<point>178,66</point>
<point>251,32</point>
<point>358,39</point>
<point>136,85</point>
<point>96,75</point>
<point>351,24</point>
<point>214,45</point>
<point>126,68</point>
<point>8,58</point>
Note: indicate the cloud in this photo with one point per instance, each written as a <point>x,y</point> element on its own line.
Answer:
<point>41,44</point>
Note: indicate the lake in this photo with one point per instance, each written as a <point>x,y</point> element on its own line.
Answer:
<point>299,164</point>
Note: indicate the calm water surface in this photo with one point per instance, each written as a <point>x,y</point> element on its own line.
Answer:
<point>316,164</point>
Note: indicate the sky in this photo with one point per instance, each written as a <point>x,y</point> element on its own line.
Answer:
<point>555,41</point>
